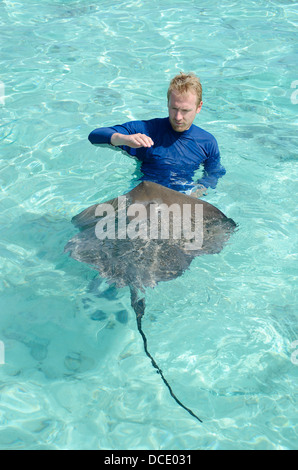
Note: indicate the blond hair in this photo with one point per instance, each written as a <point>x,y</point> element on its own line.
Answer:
<point>185,82</point>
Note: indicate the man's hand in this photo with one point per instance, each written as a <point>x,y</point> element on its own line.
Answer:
<point>134,141</point>
<point>199,191</point>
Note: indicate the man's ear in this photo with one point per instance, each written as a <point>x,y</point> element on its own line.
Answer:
<point>199,107</point>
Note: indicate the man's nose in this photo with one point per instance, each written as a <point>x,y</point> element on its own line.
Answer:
<point>178,116</point>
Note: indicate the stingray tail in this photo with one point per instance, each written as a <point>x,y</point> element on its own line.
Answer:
<point>139,307</point>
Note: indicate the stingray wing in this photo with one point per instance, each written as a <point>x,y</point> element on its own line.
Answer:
<point>143,262</point>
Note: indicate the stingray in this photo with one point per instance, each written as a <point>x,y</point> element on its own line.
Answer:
<point>149,235</point>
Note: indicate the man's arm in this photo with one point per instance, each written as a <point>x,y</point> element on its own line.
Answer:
<point>124,135</point>
<point>134,141</point>
<point>213,170</point>
<point>101,136</point>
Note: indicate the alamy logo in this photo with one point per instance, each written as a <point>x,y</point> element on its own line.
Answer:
<point>2,353</point>
<point>158,221</point>
<point>2,93</point>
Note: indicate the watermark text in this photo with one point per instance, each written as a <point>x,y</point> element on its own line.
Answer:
<point>151,222</point>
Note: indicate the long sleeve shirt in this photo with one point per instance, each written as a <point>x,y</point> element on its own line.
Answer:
<point>174,157</point>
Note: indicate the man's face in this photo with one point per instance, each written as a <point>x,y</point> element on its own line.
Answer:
<point>183,109</point>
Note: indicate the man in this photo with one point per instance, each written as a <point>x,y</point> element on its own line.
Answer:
<point>171,149</point>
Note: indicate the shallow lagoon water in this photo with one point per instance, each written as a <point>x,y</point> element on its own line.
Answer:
<point>75,373</point>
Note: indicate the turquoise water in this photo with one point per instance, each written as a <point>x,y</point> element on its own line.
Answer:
<point>75,374</point>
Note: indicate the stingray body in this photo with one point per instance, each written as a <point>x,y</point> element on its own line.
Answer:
<point>126,256</point>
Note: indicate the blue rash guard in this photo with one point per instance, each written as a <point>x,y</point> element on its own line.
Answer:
<point>174,157</point>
